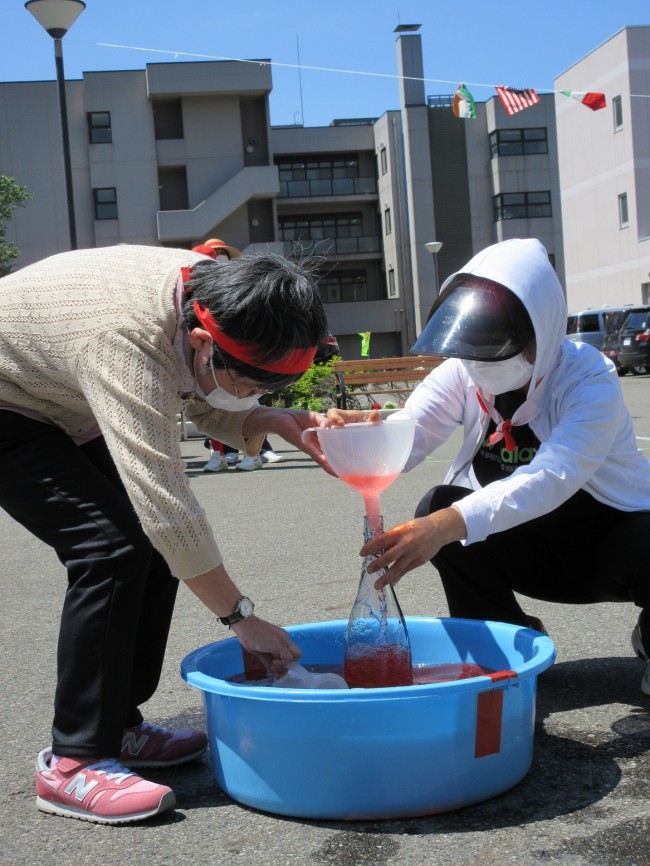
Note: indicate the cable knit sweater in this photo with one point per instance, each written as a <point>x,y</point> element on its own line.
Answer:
<point>87,340</point>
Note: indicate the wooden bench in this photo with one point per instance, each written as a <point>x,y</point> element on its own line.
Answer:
<point>371,378</point>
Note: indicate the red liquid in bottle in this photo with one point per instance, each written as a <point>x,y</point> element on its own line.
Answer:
<point>369,485</point>
<point>378,667</point>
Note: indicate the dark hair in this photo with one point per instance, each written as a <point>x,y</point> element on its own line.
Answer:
<point>265,299</point>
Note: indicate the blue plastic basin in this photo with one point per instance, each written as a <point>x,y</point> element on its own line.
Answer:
<point>376,753</point>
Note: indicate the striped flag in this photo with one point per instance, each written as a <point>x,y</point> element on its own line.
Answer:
<point>591,100</point>
<point>515,99</point>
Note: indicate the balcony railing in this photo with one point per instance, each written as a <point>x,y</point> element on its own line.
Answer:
<point>333,246</point>
<point>333,186</point>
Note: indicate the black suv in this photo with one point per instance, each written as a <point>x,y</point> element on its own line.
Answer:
<point>634,341</point>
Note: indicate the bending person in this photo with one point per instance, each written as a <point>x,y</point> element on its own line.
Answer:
<point>100,350</point>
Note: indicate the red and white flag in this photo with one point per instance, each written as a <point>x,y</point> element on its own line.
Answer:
<point>515,99</point>
<point>595,101</point>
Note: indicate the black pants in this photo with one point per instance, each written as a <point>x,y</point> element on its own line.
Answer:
<point>120,595</point>
<point>583,552</point>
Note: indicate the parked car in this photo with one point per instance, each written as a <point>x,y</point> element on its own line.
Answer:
<point>327,349</point>
<point>634,341</point>
<point>588,326</point>
<point>613,319</point>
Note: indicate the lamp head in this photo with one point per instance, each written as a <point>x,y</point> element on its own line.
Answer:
<point>56,16</point>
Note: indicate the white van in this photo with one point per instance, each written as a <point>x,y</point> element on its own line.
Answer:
<point>591,326</point>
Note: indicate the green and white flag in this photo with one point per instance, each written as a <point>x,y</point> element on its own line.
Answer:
<point>365,343</point>
<point>464,103</point>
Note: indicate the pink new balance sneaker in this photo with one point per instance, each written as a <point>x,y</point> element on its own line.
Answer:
<point>153,746</point>
<point>102,792</point>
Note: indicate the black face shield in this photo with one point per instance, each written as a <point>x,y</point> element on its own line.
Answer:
<point>480,322</point>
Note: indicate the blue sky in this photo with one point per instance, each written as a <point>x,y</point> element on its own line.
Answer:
<point>350,42</point>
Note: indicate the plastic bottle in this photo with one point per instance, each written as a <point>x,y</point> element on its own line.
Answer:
<point>377,646</point>
<point>298,677</point>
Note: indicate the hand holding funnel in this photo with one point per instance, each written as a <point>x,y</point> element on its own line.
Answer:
<point>368,457</point>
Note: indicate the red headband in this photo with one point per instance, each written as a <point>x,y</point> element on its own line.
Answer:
<point>295,361</point>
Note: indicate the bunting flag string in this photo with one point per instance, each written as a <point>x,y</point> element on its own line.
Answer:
<point>513,99</point>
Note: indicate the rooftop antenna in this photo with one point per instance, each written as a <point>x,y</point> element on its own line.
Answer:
<point>302,111</point>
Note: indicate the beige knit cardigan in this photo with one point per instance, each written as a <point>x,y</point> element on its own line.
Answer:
<point>86,340</point>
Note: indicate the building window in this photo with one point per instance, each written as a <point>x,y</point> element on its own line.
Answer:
<point>168,118</point>
<point>617,108</point>
<point>521,205</point>
<point>392,287</point>
<point>314,228</point>
<point>319,168</point>
<point>99,127</point>
<point>105,203</point>
<point>321,176</point>
<point>383,159</point>
<point>388,222</point>
<point>517,142</point>
<point>623,215</point>
<point>344,287</point>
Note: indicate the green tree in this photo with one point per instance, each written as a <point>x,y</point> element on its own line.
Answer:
<point>12,195</point>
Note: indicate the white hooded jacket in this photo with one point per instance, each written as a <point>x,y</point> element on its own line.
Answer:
<point>574,406</point>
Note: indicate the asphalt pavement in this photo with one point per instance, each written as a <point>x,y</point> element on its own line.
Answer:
<point>291,535</point>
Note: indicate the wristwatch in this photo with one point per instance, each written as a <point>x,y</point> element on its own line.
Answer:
<point>244,609</point>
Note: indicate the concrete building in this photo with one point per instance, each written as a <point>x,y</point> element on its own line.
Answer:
<point>604,162</point>
<point>179,152</point>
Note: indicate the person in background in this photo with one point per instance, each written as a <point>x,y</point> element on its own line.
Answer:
<point>549,495</point>
<point>100,349</point>
<point>223,456</point>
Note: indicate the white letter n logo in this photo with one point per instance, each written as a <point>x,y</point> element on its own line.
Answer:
<point>132,744</point>
<point>80,786</point>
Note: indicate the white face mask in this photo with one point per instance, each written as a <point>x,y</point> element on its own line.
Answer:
<point>499,377</point>
<point>219,398</point>
<point>222,399</point>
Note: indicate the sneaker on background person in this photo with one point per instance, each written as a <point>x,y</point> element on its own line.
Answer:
<point>270,456</point>
<point>147,745</point>
<point>100,791</point>
<point>231,458</point>
<point>248,464</point>
<point>216,463</point>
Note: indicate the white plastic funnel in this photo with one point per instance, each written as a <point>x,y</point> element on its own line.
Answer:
<point>367,456</point>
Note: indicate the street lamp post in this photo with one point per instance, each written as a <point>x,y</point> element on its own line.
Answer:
<point>434,248</point>
<point>57,17</point>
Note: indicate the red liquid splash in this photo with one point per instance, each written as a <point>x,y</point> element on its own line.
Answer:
<point>378,667</point>
<point>369,485</point>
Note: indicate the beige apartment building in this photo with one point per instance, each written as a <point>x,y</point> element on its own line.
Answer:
<point>604,161</point>
<point>179,152</point>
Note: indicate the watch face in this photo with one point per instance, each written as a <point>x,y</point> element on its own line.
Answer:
<point>245,607</point>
